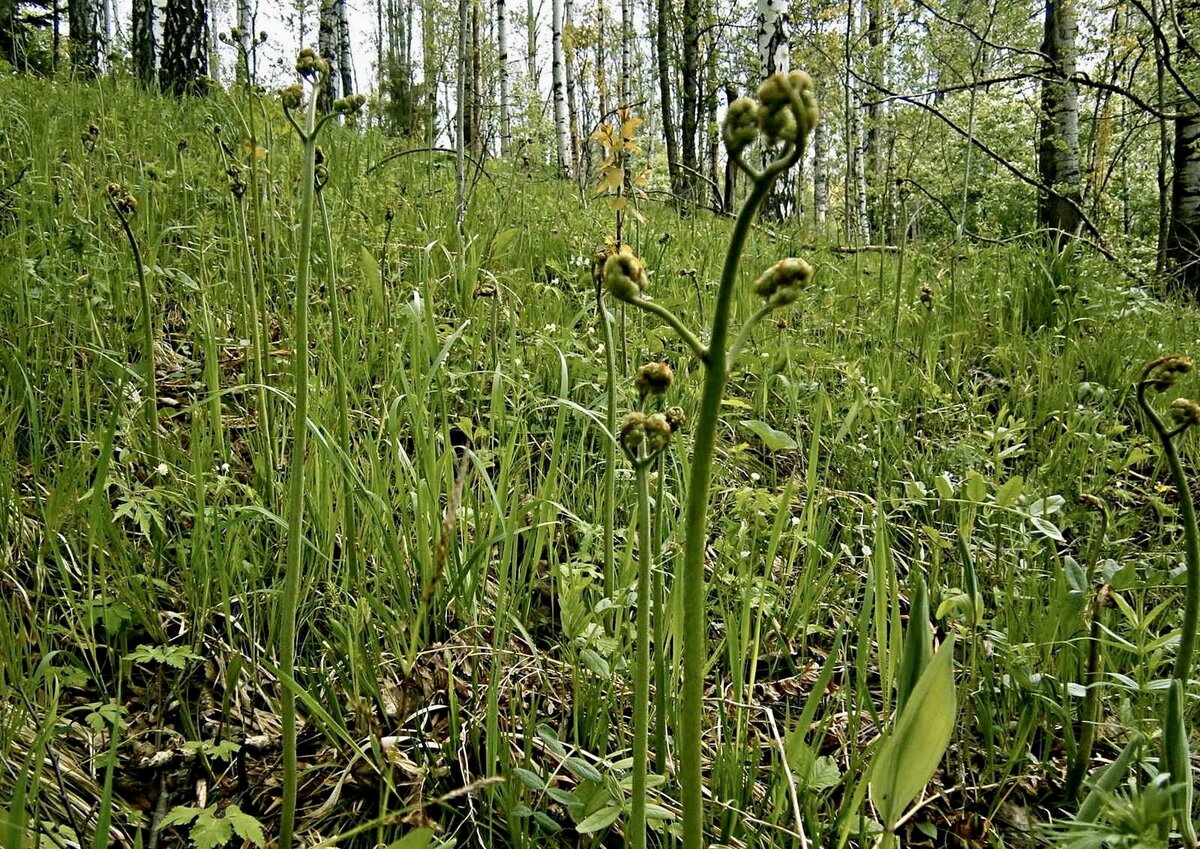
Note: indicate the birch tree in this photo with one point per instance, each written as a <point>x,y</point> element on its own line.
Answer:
<point>345,53</point>
<point>558,87</point>
<point>502,75</point>
<point>327,46</point>
<point>689,110</point>
<point>1058,149</point>
<point>662,40</point>
<point>184,50</point>
<point>1183,239</point>
<point>83,17</point>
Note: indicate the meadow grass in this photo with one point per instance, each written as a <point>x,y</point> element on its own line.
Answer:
<point>462,659</point>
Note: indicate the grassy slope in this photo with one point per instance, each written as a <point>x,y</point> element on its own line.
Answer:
<point>471,644</point>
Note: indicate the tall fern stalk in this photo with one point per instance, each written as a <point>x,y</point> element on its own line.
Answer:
<point>295,504</point>
<point>786,110</point>
<point>1161,375</point>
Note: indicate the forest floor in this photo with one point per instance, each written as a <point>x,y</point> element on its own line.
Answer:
<point>463,658</point>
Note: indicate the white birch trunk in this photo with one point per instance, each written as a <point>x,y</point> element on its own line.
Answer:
<point>502,61</point>
<point>345,51</point>
<point>820,175</point>
<point>626,51</point>
<point>460,118</point>
<point>774,52</point>
<point>558,71</point>
<point>1058,153</point>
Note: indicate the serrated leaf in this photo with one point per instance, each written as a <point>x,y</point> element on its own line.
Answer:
<point>917,742</point>
<point>244,825</point>
<point>210,832</point>
<point>775,440</point>
<point>601,819</point>
<point>180,816</point>
<point>418,838</point>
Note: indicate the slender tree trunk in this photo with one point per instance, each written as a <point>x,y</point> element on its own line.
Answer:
<point>1183,239</point>
<point>572,89</point>
<point>729,201</point>
<point>531,69</point>
<point>106,33</point>
<point>602,58</point>
<point>820,175</point>
<point>475,115</point>
<point>690,108</point>
<point>559,92</point>
<point>1164,146</point>
<point>1058,151</point>
<point>502,73</point>
<point>83,17</point>
<point>142,42</point>
<point>877,204</point>
<point>327,46</point>
<point>345,50</point>
<point>244,26</point>
<point>662,37</point>
<point>460,112</point>
<point>711,130</point>
<point>184,54</point>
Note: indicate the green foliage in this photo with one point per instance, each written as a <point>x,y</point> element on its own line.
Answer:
<point>957,455</point>
<point>212,829</point>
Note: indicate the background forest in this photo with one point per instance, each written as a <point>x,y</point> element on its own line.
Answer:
<point>432,423</point>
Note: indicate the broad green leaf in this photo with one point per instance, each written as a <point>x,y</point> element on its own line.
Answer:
<point>976,486</point>
<point>775,440</point>
<point>917,742</point>
<point>418,838</point>
<point>945,489</point>
<point>1008,494</point>
<point>582,769</point>
<point>373,279</point>
<point>603,818</point>
<point>1179,762</point>
<point>503,239</point>
<point>918,645</point>
<point>529,778</point>
<point>1047,528</point>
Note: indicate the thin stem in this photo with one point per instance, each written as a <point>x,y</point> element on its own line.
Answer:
<point>641,668</point>
<point>1191,540</point>
<point>295,507</point>
<point>151,388</point>
<point>694,634</point>
<point>744,334</point>
<point>610,447</point>
<point>678,326</point>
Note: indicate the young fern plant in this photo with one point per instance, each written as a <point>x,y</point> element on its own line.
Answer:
<point>314,70</point>
<point>644,437</point>
<point>785,111</point>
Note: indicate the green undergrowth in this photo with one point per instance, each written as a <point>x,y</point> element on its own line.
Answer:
<point>937,414</point>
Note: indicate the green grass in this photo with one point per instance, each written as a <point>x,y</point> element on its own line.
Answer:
<point>474,644</point>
